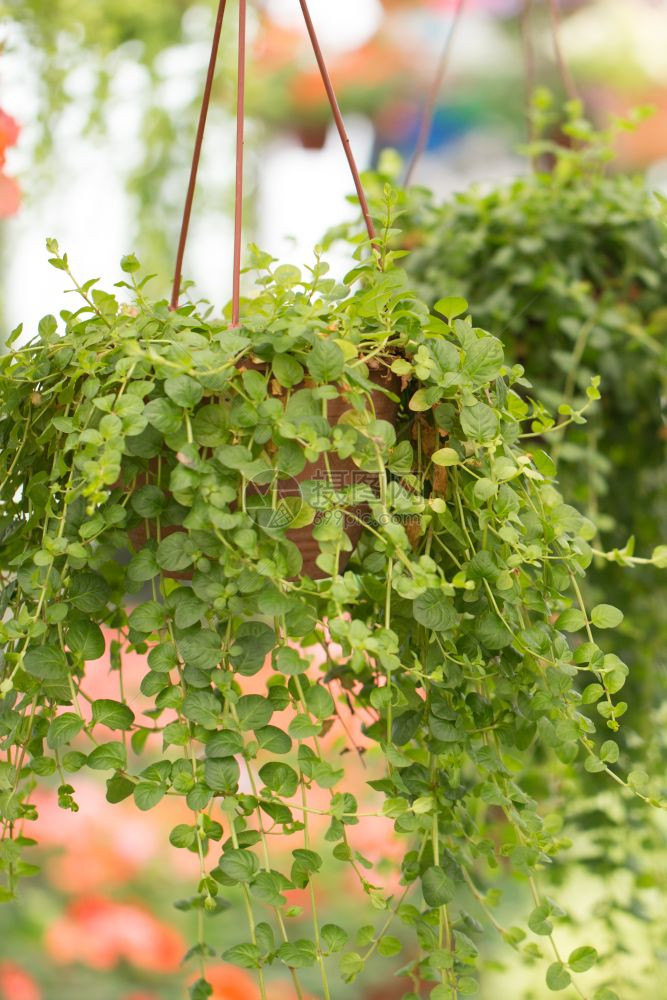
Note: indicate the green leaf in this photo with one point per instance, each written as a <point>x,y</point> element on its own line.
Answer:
<point>86,639</point>
<point>273,739</point>
<point>210,425</point>
<point>388,946</point>
<point>238,865</point>
<point>287,370</point>
<point>441,992</point>
<point>203,708</point>
<point>113,714</point>
<point>351,964</point>
<point>659,556</point>
<point>484,360</point>
<point>147,617</point>
<point>319,701</point>
<point>143,565</point>
<point>253,711</point>
<point>287,661</point>
<point>48,663</point>
<point>188,609</point>
<point>558,978</point>
<point>147,794</point>
<point>119,788</point>
<point>129,263</point>
<point>184,391</point>
<point>252,643</point>
<point>175,552</point>
<point>224,743</point>
<point>201,990</point>
<point>222,774</point>
<point>582,959</point>
<point>435,611</point>
<point>148,501</point>
<point>571,620</point>
<point>539,922</point>
<point>108,757</point>
<point>201,648</point>
<point>88,592</point>
<point>609,752</point>
<point>63,729</point>
<point>423,399</point>
<point>606,616</point>
<point>333,936</point>
<point>326,361</point>
<point>280,778</point>
<point>301,727</point>
<point>269,886</point>
<point>451,307</point>
<point>479,422</point>
<point>298,954</point>
<point>446,456</point>
<point>164,416</point>
<point>437,886</point>
<point>247,956</point>
<point>405,726</point>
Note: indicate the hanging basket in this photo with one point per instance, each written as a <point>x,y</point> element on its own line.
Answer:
<point>337,473</point>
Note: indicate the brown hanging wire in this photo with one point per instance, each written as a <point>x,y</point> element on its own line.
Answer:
<point>189,198</point>
<point>428,112</point>
<point>240,121</point>
<point>565,75</point>
<point>338,118</point>
<point>528,49</point>
<point>238,190</point>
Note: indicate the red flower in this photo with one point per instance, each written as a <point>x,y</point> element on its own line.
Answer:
<point>10,196</point>
<point>9,131</point>
<point>101,933</point>
<point>16,984</point>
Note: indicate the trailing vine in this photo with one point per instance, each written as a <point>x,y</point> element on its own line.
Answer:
<point>152,479</point>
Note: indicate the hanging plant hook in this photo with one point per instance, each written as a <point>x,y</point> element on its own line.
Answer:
<point>566,76</point>
<point>240,127</point>
<point>194,167</point>
<point>338,118</point>
<point>238,188</point>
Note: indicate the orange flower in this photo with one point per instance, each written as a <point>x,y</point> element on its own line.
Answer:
<point>101,933</point>
<point>232,983</point>
<point>16,984</point>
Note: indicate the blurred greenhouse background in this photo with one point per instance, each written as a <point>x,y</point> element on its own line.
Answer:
<point>98,107</point>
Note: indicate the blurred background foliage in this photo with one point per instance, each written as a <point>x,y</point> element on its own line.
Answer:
<point>566,263</point>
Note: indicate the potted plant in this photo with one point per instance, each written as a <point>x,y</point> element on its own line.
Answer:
<point>448,629</point>
<point>568,265</point>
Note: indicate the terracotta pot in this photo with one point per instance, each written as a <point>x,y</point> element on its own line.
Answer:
<point>312,135</point>
<point>344,473</point>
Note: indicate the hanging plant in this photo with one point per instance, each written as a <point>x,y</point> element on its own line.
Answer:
<point>569,265</point>
<point>447,632</point>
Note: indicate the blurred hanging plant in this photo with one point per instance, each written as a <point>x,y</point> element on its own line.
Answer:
<point>569,264</point>
<point>147,484</point>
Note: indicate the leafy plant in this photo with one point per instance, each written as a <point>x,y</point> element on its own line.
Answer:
<point>144,461</point>
<point>568,266</point>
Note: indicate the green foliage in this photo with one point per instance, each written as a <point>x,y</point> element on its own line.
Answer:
<point>165,436</point>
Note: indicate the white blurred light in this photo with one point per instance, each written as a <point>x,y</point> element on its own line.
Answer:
<point>341,25</point>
